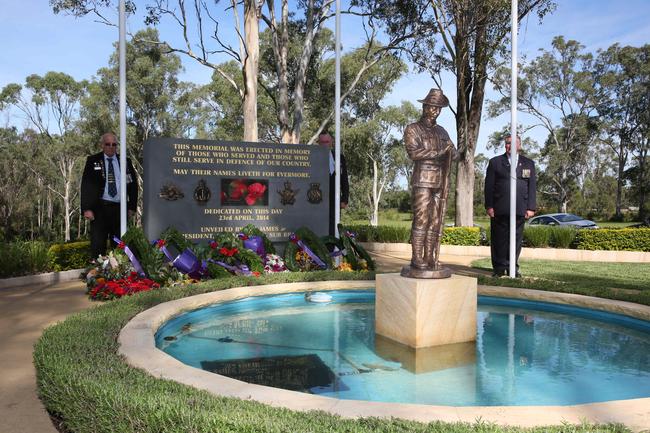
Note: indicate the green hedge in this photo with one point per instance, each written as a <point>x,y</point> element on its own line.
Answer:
<point>626,239</point>
<point>89,388</point>
<point>465,236</point>
<point>635,239</point>
<point>388,234</point>
<point>23,258</point>
<point>468,236</point>
<point>74,255</point>
<point>33,257</point>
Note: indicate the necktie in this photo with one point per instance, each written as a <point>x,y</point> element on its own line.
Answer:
<point>112,186</point>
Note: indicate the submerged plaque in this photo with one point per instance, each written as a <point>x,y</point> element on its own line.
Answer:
<point>204,187</point>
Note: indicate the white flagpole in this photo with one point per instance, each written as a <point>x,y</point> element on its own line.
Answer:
<point>513,140</point>
<point>122,53</point>
<point>337,123</point>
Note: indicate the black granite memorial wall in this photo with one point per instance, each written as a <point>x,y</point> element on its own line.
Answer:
<point>204,187</point>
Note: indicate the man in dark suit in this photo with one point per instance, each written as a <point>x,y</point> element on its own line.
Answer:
<point>497,204</point>
<point>100,193</point>
<point>325,139</point>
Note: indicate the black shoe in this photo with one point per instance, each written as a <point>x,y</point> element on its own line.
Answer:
<point>517,275</point>
<point>498,274</point>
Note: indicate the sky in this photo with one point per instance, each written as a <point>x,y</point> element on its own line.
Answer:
<point>36,41</point>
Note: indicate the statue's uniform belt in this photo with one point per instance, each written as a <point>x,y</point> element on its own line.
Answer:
<point>427,174</point>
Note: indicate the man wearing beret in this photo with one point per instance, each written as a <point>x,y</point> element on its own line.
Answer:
<point>497,205</point>
<point>432,151</point>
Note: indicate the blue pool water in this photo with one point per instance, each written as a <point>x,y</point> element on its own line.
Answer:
<point>526,353</point>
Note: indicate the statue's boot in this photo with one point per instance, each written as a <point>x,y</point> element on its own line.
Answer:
<point>418,238</point>
<point>430,249</point>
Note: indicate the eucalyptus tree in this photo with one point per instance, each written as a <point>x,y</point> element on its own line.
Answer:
<point>208,37</point>
<point>157,102</point>
<point>558,89</point>
<point>623,80</point>
<point>466,38</point>
<point>373,145</point>
<point>18,189</point>
<point>50,105</point>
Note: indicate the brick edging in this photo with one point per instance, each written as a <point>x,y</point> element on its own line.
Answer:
<point>48,278</point>
<point>526,253</point>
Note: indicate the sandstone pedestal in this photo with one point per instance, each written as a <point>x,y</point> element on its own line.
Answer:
<point>425,312</point>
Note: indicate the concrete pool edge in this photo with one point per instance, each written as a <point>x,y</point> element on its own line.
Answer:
<point>137,345</point>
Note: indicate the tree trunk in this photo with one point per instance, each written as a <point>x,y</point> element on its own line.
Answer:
<point>470,93</point>
<point>280,44</point>
<point>79,226</point>
<point>622,160</point>
<point>251,64</point>
<point>301,75</point>
<point>66,211</point>
<point>50,213</point>
<point>374,219</point>
<point>643,186</point>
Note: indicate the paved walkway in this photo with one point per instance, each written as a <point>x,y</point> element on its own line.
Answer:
<point>24,313</point>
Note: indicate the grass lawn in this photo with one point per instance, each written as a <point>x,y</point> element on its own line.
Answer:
<point>622,281</point>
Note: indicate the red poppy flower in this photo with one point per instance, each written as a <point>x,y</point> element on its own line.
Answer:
<point>255,192</point>
<point>237,189</point>
<point>228,252</point>
<point>213,245</point>
<point>161,243</point>
<point>121,245</point>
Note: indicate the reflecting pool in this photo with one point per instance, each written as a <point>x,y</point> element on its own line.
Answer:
<point>526,353</point>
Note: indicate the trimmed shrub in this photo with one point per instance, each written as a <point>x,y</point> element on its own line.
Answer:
<point>74,255</point>
<point>389,234</point>
<point>563,237</point>
<point>537,237</point>
<point>635,239</point>
<point>466,236</point>
<point>395,234</point>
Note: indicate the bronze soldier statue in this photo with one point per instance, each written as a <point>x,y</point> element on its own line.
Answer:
<point>432,151</point>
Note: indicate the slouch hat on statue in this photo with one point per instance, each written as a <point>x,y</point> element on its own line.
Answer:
<point>435,98</point>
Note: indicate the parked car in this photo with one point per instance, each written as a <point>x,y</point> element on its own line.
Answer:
<point>562,219</point>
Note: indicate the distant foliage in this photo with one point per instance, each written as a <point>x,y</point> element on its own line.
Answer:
<point>635,239</point>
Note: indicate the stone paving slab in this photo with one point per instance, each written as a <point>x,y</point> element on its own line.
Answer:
<point>24,313</point>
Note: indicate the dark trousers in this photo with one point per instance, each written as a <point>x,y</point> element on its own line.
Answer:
<point>331,225</point>
<point>500,241</point>
<point>105,225</point>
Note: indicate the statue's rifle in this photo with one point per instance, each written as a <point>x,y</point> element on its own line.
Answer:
<point>442,205</point>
